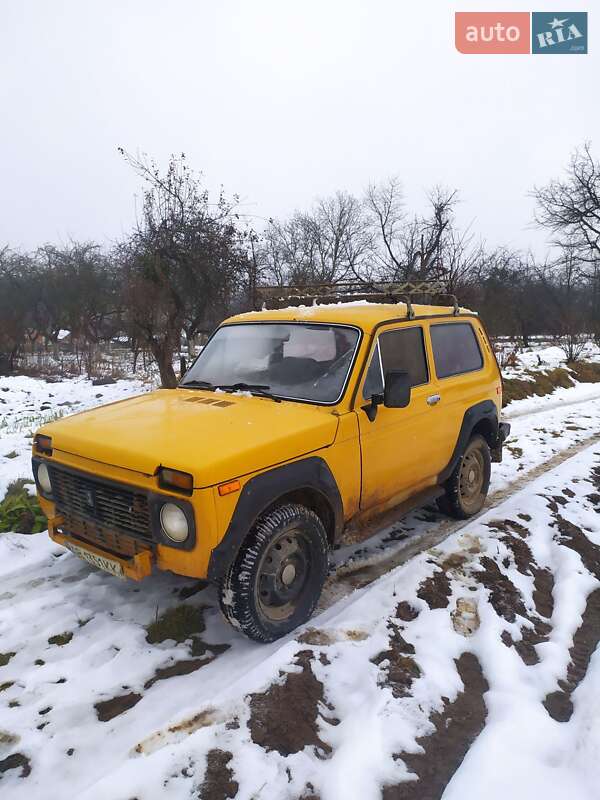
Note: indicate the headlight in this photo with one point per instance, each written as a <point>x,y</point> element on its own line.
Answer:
<point>173,522</point>
<point>43,477</point>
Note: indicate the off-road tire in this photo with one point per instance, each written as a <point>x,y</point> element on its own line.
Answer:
<point>242,589</point>
<point>464,498</point>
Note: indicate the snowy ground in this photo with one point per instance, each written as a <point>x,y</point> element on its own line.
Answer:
<point>26,403</point>
<point>481,646</point>
<point>548,356</point>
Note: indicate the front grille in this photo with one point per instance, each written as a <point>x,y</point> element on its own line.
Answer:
<point>115,507</point>
<point>117,543</point>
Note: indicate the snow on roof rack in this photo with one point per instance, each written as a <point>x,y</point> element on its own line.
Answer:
<point>313,293</point>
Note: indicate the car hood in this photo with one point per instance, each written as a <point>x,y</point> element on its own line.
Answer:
<point>214,436</point>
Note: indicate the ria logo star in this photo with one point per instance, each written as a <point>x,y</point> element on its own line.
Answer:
<point>557,23</point>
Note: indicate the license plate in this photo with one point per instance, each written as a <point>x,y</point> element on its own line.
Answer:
<point>106,564</point>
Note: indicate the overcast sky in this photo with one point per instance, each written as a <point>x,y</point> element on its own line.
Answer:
<point>280,101</point>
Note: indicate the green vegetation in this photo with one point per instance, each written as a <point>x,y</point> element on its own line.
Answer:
<point>61,639</point>
<point>5,658</point>
<point>179,623</point>
<point>30,422</point>
<point>517,452</point>
<point>19,511</point>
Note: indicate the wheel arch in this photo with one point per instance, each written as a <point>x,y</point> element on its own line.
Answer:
<point>482,418</point>
<point>311,498</point>
<point>308,481</point>
<point>484,427</point>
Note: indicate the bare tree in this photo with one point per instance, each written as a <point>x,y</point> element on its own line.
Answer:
<point>565,282</point>
<point>77,291</point>
<point>328,244</point>
<point>14,307</point>
<point>570,207</point>
<point>461,259</point>
<point>183,262</point>
<point>408,248</point>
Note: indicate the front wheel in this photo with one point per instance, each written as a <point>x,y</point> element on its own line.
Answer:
<point>467,487</point>
<point>276,579</point>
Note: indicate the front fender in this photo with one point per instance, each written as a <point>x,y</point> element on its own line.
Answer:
<point>262,491</point>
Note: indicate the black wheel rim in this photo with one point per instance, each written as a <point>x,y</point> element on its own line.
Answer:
<point>282,575</point>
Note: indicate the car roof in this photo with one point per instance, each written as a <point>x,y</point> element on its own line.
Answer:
<point>360,313</point>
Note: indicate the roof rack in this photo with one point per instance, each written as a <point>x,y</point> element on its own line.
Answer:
<point>313,293</point>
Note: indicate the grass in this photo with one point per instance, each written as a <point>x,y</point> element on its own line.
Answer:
<point>544,382</point>
<point>541,383</point>
<point>12,454</point>
<point>30,422</point>
<point>61,639</point>
<point>5,658</point>
<point>179,623</point>
<point>586,371</point>
<point>20,512</point>
<point>517,452</point>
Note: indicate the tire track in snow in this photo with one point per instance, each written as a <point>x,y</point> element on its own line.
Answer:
<point>551,405</point>
<point>456,728</point>
<point>356,574</point>
<point>587,637</point>
<point>559,704</point>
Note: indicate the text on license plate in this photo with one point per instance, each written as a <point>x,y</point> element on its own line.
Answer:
<point>106,564</point>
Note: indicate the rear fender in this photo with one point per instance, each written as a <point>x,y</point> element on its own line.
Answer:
<point>483,416</point>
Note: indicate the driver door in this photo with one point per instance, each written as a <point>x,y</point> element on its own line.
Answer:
<point>398,449</point>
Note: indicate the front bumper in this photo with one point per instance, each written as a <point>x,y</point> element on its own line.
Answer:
<point>136,568</point>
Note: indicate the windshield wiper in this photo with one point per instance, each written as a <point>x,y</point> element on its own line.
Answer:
<point>262,390</point>
<point>198,385</point>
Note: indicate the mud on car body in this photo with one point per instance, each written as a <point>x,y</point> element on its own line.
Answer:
<point>292,427</point>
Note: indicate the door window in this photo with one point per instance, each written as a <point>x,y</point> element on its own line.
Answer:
<point>402,349</point>
<point>455,349</point>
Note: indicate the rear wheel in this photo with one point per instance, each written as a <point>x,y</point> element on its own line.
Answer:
<point>467,487</point>
<point>275,582</point>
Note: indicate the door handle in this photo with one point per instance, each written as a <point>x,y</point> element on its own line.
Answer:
<point>433,399</point>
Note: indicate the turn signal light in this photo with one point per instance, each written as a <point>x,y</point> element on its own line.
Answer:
<point>229,488</point>
<point>43,444</point>
<point>175,480</point>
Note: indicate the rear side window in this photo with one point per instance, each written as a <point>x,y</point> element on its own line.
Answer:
<point>455,349</point>
<point>403,349</point>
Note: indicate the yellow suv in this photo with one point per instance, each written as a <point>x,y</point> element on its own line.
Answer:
<point>293,428</point>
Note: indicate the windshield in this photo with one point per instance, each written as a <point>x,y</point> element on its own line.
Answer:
<point>291,360</point>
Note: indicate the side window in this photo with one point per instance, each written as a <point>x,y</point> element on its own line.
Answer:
<point>455,349</point>
<point>404,349</point>
<point>374,381</point>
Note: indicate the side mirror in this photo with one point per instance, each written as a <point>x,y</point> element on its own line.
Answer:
<point>397,389</point>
